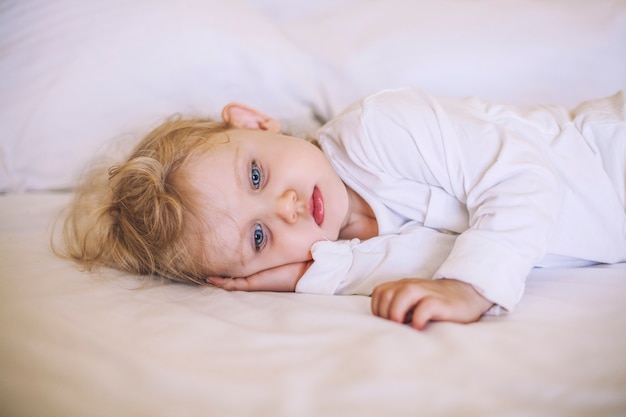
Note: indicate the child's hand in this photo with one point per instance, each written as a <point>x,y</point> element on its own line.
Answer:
<point>417,301</point>
<point>280,278</point>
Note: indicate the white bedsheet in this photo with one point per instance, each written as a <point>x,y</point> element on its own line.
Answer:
<point>79,77</point>
<point>75,344</point>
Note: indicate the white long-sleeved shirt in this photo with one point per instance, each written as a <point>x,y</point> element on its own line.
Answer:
<point>474,191</point>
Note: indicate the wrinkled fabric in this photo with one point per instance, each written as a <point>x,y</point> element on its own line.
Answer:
<point>475,191</point>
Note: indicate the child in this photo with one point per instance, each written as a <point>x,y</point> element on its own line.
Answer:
<point>437,207</point>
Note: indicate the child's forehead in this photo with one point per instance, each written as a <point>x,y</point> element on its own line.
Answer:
<point>230,260</point>
<point>238,141</point>
<point>254,134</point>
<point>220,208</point>
<point>222,244</point>
<point>233,137</point>
<point>209,147</point>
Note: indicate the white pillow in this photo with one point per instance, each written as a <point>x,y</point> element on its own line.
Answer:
<point>76,75</point>
<point>518,51</point>
<point>282,11</point>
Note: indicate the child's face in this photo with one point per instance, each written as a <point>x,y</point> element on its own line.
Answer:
<point>268,198</point>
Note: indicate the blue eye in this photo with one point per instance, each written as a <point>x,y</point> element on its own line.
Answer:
<point>255,176</point>
<point>259,237</point>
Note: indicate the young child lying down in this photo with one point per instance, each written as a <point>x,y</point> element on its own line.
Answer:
<point>437,207</point>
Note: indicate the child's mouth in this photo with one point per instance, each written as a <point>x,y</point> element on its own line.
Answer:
<point>317,206</point>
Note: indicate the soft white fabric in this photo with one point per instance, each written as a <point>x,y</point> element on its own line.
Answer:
<point>80,77</point>
<point>518,51</point>
<point>75,344</point>
<point>507,179</point>
<point>356,267</point>
<point>77,75</point>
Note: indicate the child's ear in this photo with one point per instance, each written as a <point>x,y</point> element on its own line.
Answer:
<point>246,117</point>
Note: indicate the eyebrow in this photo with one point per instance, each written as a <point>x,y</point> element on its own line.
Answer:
<point>237,168</point>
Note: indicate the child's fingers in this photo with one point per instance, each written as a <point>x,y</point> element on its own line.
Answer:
<point>383,297</point>
<point>436,308</point>
<point>280,278</point>
<point>380,301</point>
<point>427,310</point>
<point>251,283</point>
<point>230,284</point>
<point>404,300</point>
<point>216,281</point>
<point>418,301</point>
<point>394,300</point>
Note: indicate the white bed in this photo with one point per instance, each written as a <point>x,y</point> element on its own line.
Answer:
<point>77,78</point>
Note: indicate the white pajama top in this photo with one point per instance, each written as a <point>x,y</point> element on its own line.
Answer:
<point>474,191</point>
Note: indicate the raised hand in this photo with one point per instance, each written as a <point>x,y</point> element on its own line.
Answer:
<point>280,278</point>
<point>417,301</point>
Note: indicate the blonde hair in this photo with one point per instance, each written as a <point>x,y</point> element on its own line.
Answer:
<point>140,216</point>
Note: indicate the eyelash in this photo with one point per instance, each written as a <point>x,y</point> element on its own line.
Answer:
<point>256,179</point>
<point>258,237</point>
<point>256,176</point>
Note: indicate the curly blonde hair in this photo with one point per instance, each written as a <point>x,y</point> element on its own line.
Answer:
<point>141,216</point>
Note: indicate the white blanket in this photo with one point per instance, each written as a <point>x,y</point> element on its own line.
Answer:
<point>75,344</point>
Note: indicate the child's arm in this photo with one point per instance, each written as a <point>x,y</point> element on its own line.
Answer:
<point>418,301</point>
<point>280,278</point>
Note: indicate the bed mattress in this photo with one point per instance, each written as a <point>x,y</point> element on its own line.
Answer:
<point>108,344</point>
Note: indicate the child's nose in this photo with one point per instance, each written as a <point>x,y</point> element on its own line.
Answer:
<point>286,206</point>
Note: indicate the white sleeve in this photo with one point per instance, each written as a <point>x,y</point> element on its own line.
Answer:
<point>510,226</point>
<point>512,192</point>
<point>356,267</point>
<point>495,161</point>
